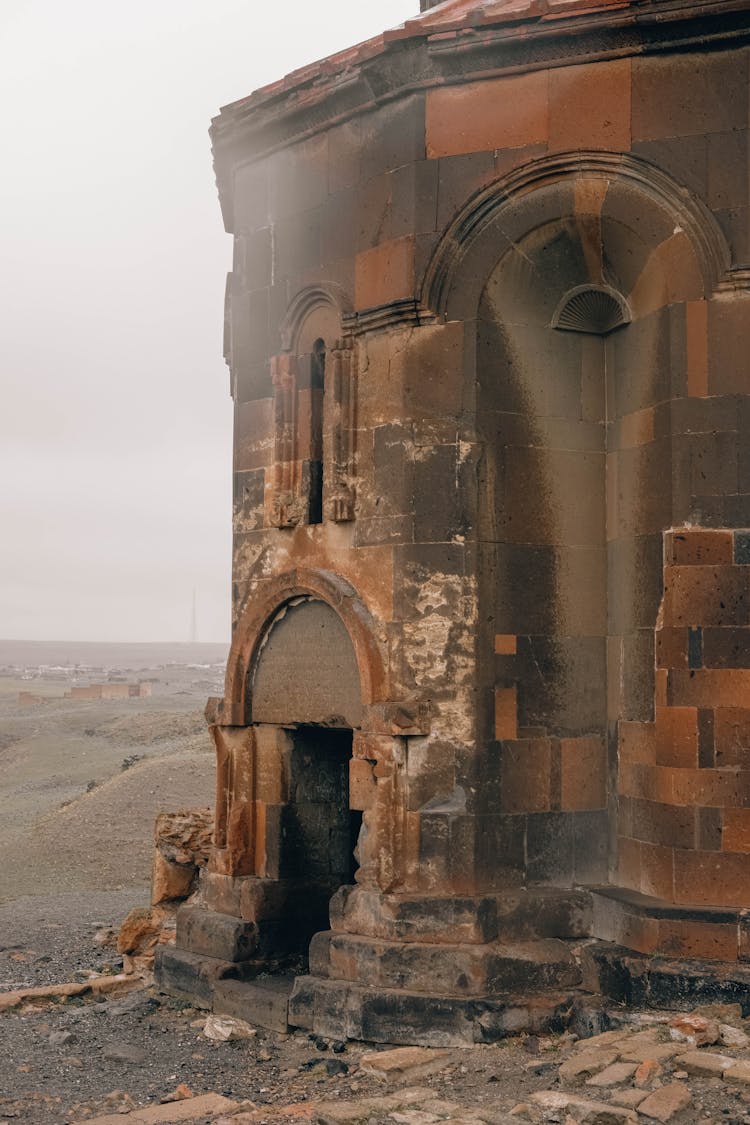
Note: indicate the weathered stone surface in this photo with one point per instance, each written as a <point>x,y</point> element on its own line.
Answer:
<point>666,1103</point>
<point>182,843</point>
<point>446,323</point>
<point>405,1064</point>
<point>583,1110</point>
<point>225,1029</point>
<point>210,934</point>
<point>587,1063</point>
<point>262,1003</point>
<point>704,1062</point>
<point>193,1109</point>
<point>695,1030</point>
<point>612,1075</point>
<point>144,928</point>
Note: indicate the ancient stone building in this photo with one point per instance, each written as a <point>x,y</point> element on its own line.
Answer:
<point>489,688</point>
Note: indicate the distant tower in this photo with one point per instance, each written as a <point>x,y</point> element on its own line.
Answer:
<point>193,621</point>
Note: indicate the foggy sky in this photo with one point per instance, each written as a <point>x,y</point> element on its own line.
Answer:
<point>115,418</point>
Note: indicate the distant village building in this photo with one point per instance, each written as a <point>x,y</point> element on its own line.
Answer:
<point>110,691</point>
<point>488,329</point>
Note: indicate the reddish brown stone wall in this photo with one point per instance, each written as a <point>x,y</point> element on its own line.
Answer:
<point>684,780</point>
<point>495,490</point>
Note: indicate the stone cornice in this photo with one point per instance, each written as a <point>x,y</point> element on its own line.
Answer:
<point>431,51</point>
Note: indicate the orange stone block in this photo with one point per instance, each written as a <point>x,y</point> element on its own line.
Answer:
<point>637,742</point>
<point>709,687</point>
<point>384,273</point>
<point>589,107</point>
<point>672,648</point>
<point>712,941</point>
<point>661,685</point>
<point>677,736</point>
<point>711,878</point>
<point>362,784</point>
<point>696,332</point>
<point>505,644</point>
<point>583,774</point>
<point>735,836</point>
<point>506,713</point>
<point>706,595</point>
<point>732,736</point>
<point>480,116</point>
<point>698,546</point>
<point>526,776</point>
<point>657,870</point>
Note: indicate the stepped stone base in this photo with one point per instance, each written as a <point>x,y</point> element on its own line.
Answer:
<point>261,1003</point>
<point>193,977</point>
<point>451,972</point>
<point>343,1010</point>
<point>641,981</point>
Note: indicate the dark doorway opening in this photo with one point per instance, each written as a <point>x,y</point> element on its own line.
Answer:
<point>320,831</point>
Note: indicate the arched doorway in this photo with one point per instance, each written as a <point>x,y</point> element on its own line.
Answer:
<point>305,699</point>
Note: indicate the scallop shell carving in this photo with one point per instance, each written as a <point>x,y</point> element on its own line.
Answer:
<point>592,309</point>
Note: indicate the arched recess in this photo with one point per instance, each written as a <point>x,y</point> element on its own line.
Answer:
<point>582,183</point>
<point>314,380</point>
<point>264,608</point>
<point>576,425</point>
<point>327,303</point>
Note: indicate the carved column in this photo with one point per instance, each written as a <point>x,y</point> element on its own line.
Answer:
<point>234,828</point>
<point>341,492</point>
<point>284,505</point>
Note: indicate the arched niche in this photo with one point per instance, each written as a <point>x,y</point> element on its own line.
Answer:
<point>305,670</point>
<point>315,312</point>
<point>576,490</point>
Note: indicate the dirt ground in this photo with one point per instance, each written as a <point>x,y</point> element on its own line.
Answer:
<point>82,783</point>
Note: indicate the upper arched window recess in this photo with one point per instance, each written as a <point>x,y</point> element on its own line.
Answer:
<point>314,416</point>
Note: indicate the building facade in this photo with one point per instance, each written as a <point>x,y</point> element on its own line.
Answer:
<point>489,687</point>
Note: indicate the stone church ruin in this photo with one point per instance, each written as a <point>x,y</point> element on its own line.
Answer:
<point>485,741</point>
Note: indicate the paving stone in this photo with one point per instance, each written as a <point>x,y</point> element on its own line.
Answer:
<point>606,1039</point>
<point>666,1102</point>
<point>646,1072</point>
<point>613,1075</point>
<point>733,1036</point>
<point>631,1099</point>
<point>584,1110</point>
<point>705,1062</point>
<point>586,1063</point>
<point>650,1050</point>
<point>739,1072</point>
<point>404,1064</point>
<point>414,1117</point>
<point>194,1109</point>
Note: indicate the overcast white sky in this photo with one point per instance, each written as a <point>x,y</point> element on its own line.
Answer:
<point>115,418</point>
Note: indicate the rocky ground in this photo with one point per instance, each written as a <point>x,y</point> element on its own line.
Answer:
<point>85,782</point>
<point>110,1055</point>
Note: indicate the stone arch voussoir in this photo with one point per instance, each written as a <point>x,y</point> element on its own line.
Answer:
<point>542,191</point>
<point>264,607</point>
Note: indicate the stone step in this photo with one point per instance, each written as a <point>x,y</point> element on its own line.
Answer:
<point>193,976</point>
<point>211,934</point>
<point>520,914</point>
<point>262,1002</point>
<point>457,970</point>
<point>342,1010</point>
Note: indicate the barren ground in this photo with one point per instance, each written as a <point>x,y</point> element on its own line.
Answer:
<point>80,786</point>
